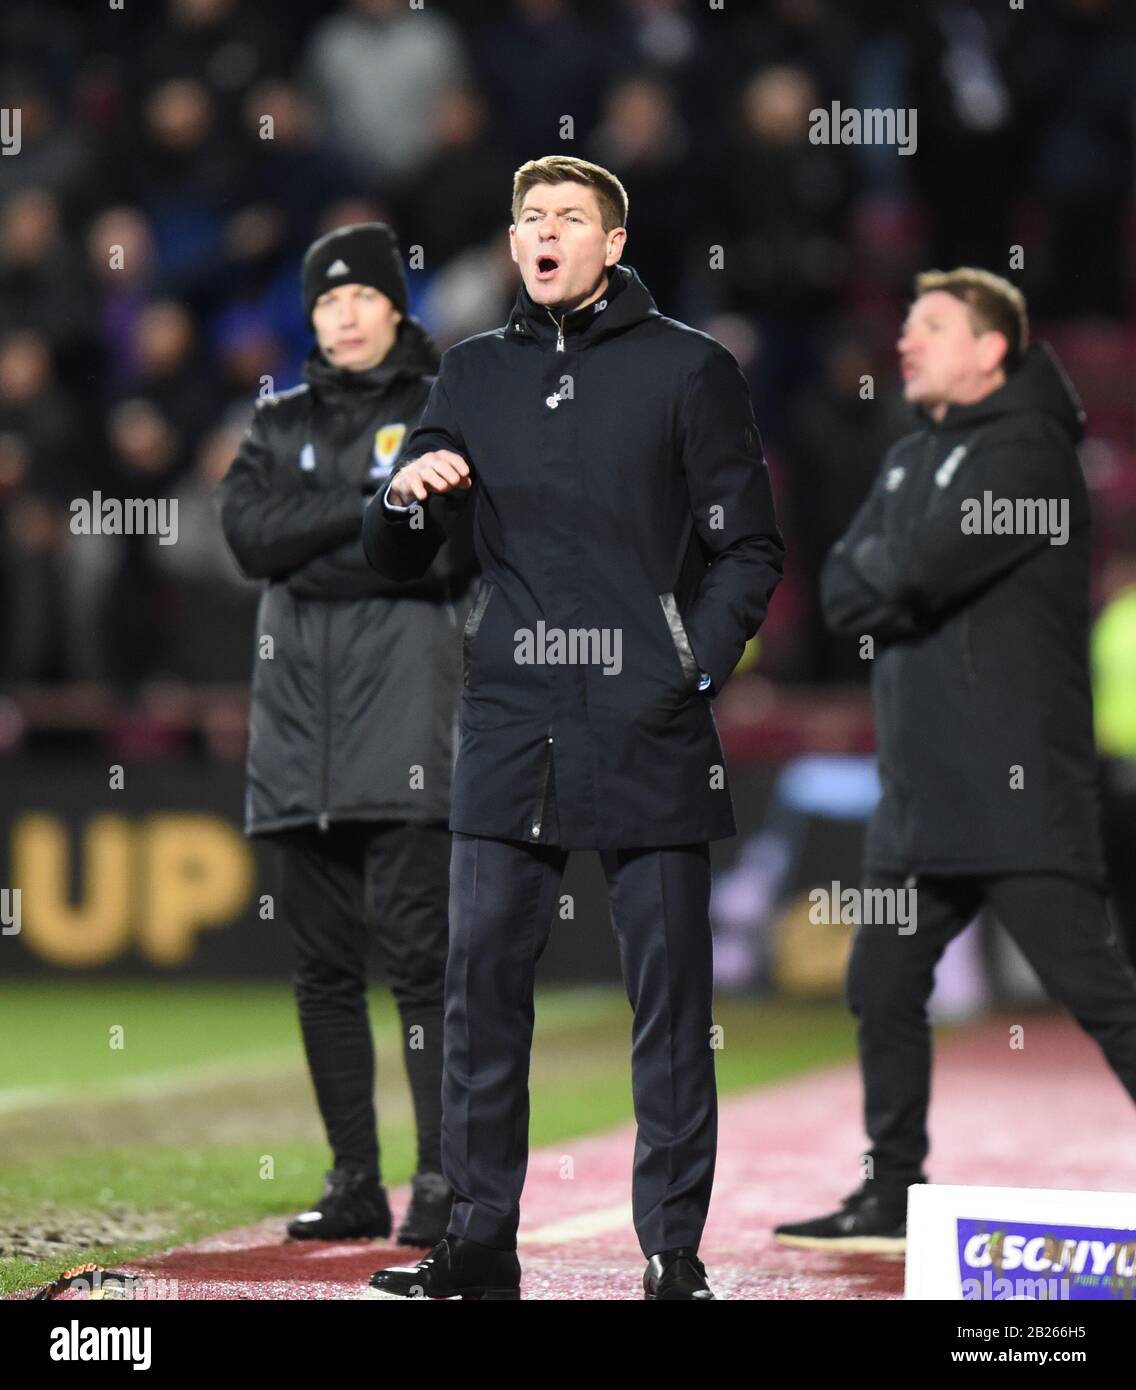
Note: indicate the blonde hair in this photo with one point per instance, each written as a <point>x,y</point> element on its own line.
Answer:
<point>566,168</point>
<point>994,303</point>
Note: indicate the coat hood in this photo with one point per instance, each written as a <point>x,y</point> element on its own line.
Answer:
<point>413,355</point>
<point>1039,384</point>
<point>626,301</point>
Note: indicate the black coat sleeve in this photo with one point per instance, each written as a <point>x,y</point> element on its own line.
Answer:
<point>934,561</point>
<point>849,601</point>
<point>273,515</point>
<point>732,504</point>
<point>339,573</point>
<point>346,573</point>
<point>403,546</point>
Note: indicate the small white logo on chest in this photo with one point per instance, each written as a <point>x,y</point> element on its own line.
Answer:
<point>949,466</point>
<point>894,478</point>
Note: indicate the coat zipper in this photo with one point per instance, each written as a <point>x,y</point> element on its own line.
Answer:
<point>903,800</point>
<point>324,818</point>
<point>538,814</point>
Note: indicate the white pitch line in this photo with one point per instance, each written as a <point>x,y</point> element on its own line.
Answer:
<point>555,1015</point>
<point>156,1083</point>
<point>587,1224</point>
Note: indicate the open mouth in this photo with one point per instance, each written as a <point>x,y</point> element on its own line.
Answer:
<point>546,266</point>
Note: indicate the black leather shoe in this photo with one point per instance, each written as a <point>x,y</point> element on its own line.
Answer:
<point>677,1273</point>
<point>455,1268</point>
<point>871,1221</point>
<point>353,1206</point>
<point>428,1216</point>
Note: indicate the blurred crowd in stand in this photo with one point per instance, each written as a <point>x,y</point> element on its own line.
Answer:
<point>176,158</point>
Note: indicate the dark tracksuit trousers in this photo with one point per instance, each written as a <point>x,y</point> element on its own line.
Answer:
<point>503,898</point>
<point>339,890</point>
<point>1062,927</point>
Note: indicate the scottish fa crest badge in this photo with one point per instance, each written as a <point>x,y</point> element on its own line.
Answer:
<point>388,441</point>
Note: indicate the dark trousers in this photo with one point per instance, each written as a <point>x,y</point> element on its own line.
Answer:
<point>340,890</point>
<point>1063,929</point>
<point>503,898</point>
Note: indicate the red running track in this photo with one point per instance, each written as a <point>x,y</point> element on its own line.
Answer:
<point>1049,1115</point>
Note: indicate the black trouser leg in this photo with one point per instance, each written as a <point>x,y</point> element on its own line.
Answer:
<point>321,902</point>
<point>407,901</point>
<point>890,979</point>
<point>502,898</point>
<point>660,908</point>
<point>1064,930</point>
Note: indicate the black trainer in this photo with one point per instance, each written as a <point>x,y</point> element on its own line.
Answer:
<point>455,1268</point>
<point>869,1222</point>
<point>353,1206</point>
<point>428,1216</point>
<point>675,1274</point>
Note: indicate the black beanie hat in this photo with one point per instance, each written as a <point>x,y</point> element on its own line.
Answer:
<point>364,254</point>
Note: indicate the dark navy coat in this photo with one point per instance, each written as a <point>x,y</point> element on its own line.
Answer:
<point>624,526</point>
<point>355,679</point>
<point>980,677</point>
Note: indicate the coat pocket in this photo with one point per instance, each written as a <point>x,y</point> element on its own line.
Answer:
<point>472,623</point>
<point>685,651</point>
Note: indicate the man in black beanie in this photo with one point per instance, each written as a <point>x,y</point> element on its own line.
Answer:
<point>354,693</point>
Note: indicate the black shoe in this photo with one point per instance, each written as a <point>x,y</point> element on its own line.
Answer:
<point>869,1222</point>
<point>455,1268</point>
<point>428,1216</point>
<point>354,1205</point>
<point>674,1274</point>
